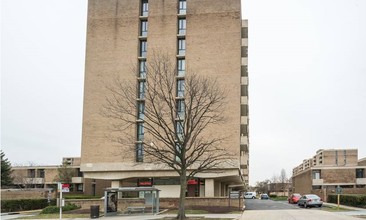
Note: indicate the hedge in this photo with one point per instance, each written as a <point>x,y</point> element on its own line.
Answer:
<point>78,196</point>
<point>24,204</point>
<point>349,200</point>
<point>55,209</point>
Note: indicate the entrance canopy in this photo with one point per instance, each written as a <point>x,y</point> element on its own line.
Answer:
<point>149,194</point>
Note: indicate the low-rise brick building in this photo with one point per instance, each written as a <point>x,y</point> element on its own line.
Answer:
<point>329,169</point>
<point>45,177</point>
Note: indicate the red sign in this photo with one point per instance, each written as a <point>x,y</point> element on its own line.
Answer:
<point>145,183</point>
<point>65,187</point>
<point>192,182</point>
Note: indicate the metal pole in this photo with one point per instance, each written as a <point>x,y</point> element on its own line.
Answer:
<point>60,202</point>
<point>338,198</point>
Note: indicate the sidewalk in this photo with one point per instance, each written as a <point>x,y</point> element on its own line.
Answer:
<point>344,206</point>
<point>137,217</point>
<point>354,210</point>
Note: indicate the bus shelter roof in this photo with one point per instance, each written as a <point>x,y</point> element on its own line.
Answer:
<point>130,189</point>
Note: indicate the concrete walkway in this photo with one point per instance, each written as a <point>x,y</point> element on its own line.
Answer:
<point>298,214</point>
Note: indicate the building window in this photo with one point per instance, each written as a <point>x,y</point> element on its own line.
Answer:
<point>79,173</point>
<point>182,26</point>
<point>180,109</point>
<point>140,131</point>
<point>181,67</point>
<point>178,152</point>
<point>143,48</point>
<point>360,173</point>
<point>244,32</point>
<point>141,110</point>
<point>144,8</point>
<point>180,88</point>
<point>182,7</point>
<point>244,51</point>
<point>179,126</point>
<point>141,94</point>
<point>79,187</point>
<point>181,46</point>
<point>244,70</point>
<point>144,26</point>
<point>41,173</point>
<point>316,174</point>
<point>139,152</point>
<point>31,173</point>
<point>142,69</point>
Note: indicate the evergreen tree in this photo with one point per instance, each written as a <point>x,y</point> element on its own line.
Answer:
<point>6,178</point>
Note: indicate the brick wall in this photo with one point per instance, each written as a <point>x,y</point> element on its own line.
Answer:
<point>169,203</point>
<point>25,194</point>
<point>323,193</point>
<point>302,183</point>
<point>338,175</point>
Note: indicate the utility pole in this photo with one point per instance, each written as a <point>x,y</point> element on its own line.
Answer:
<point>60,199</point>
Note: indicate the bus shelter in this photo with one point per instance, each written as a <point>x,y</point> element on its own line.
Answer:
<point>149,196</point>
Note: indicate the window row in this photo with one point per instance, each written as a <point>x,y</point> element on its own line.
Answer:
<point>144,8</point>
<point>182,26</point>
<point>180,110</point>
<point>181,68</point>
<point>144,26</point>
<point>182,7</point>
<point>181,47</point>
<point>142,88</point>
<point>143,48</point>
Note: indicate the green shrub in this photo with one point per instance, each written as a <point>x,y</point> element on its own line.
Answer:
<point>55,209</point>
<point>24,204</point>
<point>273,196</point>
<point>78,196</point>
<point>349,200</point>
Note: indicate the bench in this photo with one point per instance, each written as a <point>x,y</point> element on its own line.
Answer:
<point>135,209</point>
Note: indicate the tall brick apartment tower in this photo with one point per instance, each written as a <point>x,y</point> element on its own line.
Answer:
<point>207,36</point>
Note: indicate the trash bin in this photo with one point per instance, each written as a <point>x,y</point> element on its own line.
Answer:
<point>94,211</point>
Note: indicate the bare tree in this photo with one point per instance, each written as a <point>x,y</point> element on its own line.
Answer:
<point>283,176</point>
<point>283,180</point>
<point>262,187</point>
<point>175,113</point>
<point>65,173</point>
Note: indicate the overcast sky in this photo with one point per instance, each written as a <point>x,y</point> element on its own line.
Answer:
<point>307,80</point>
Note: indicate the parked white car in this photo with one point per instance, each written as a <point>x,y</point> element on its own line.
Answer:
<point>250,195</point>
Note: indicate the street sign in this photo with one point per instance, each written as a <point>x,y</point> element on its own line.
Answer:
<point>339,190</point>
<point>65,187</point>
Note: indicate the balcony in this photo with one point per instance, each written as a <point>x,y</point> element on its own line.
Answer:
<point>33,180</point>
<point>318,182</point>
<point>244,159</point>
<point>361,181</point>
<point>77,179</point>
<point>245,172</point>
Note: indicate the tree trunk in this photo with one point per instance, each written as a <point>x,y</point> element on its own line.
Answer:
<point>182,197</point>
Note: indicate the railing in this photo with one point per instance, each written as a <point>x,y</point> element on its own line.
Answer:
<point>77,179</point>
<point>360,181</point>
<point>318,182</point>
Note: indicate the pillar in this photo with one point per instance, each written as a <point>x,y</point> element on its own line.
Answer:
<point>209,188</point>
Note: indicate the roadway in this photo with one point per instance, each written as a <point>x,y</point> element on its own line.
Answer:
<point>280,210</point>
<point>256,209</point>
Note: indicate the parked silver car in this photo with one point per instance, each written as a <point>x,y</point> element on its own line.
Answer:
<point>310,200</point>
